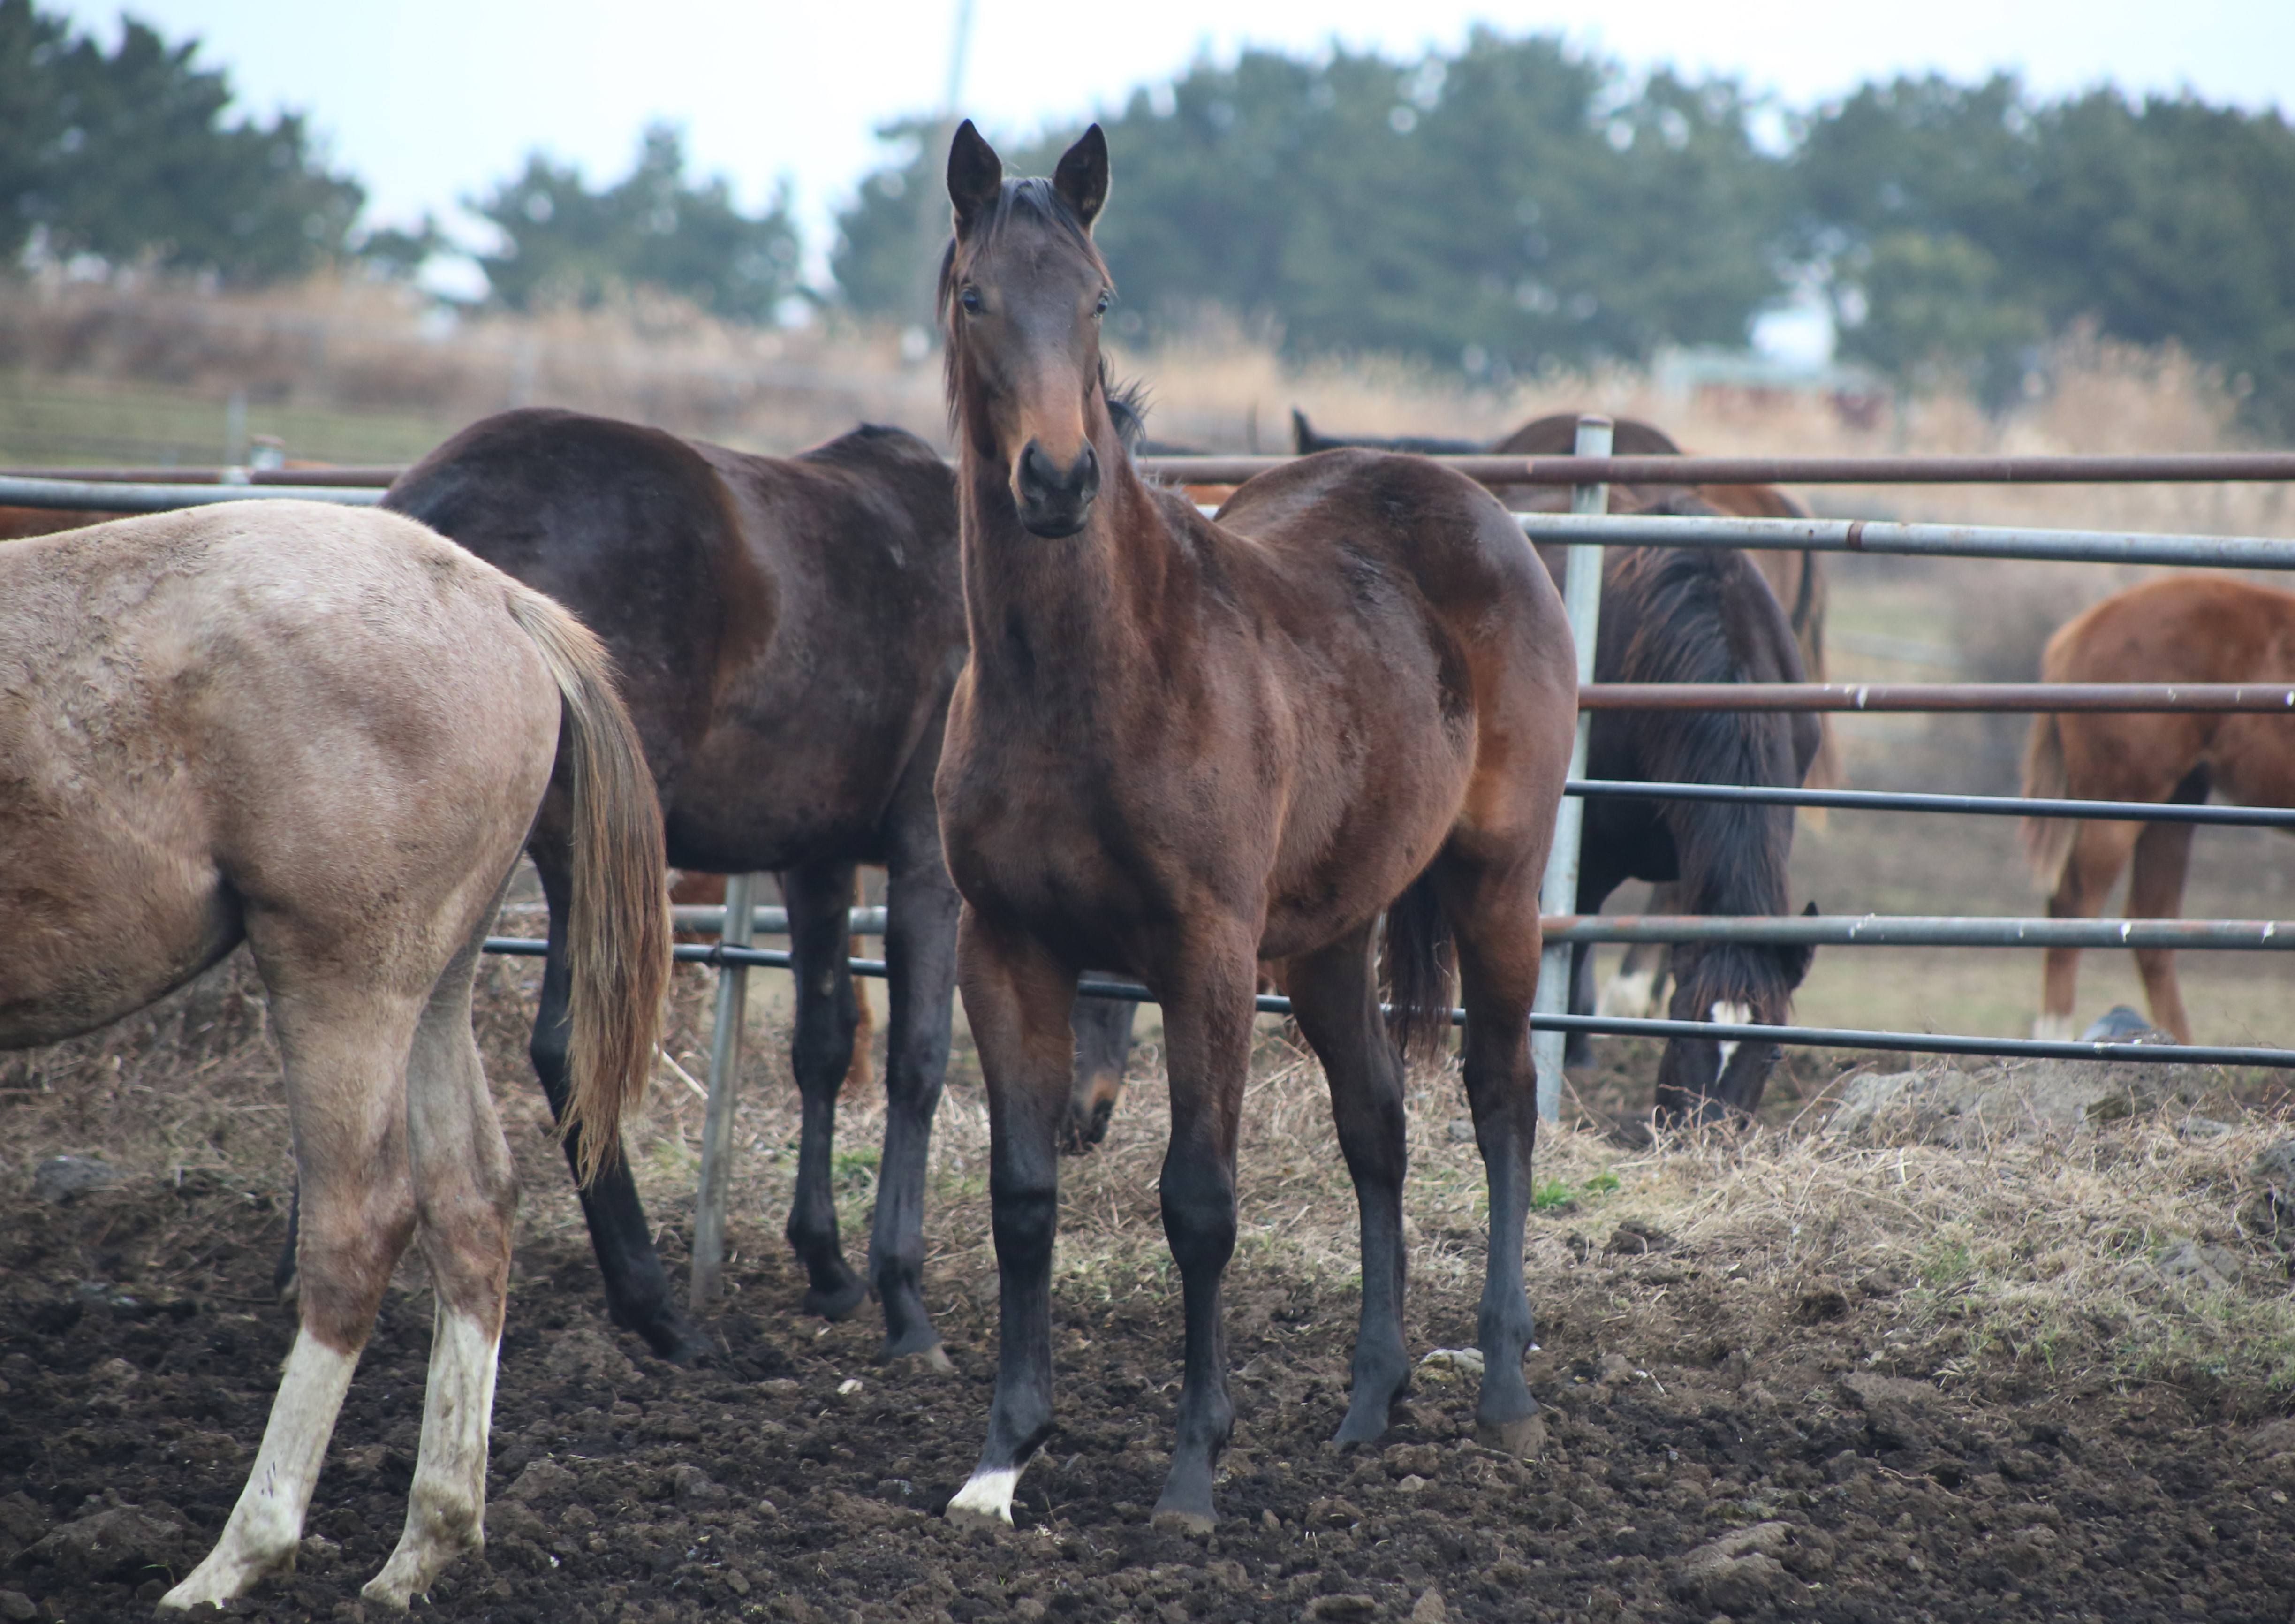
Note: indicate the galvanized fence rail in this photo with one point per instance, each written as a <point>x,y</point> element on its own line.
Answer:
<point>1585,531</point>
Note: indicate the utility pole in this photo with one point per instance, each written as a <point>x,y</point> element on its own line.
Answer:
<point>932,219</point>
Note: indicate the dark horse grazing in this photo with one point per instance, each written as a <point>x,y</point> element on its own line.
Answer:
<point>326,732</point>
<point>787,631</point>
<point>2182,628</point>
<point>1181,746</point>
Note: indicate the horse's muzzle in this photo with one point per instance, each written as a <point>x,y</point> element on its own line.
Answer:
<point>1054,502</point>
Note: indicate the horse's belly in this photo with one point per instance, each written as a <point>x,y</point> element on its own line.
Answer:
<point>74,959</point>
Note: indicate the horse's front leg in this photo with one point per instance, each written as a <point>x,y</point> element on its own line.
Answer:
<point>1208,1003</point>
<point>1017,998</point>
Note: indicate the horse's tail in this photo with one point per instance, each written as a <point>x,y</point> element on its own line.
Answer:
<point>2047,841</point>
<point>617,938</point>
<point>1417,970</point>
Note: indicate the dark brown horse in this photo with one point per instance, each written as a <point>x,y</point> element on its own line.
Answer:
<point>1181,746</point>
<point>2182,628</point>
<point>788,631</point>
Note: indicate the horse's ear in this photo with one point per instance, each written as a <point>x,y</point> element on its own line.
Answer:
<point>1082,179</point>
<point>1302,432</point>
<point>975,175</point>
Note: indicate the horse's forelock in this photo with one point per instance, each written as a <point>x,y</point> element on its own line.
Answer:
<point>1036,198</point>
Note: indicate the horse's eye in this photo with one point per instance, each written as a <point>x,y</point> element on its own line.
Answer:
<point>970,299</point>
<point>1100,309</point>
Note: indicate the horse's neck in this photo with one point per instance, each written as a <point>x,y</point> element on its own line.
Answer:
<point>1066,619</point>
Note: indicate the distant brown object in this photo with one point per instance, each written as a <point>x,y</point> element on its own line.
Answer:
<point>2182,628</point>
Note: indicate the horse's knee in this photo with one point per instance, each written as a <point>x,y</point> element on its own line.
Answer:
<point>1024,1220</point>
<point>1198,1216</point>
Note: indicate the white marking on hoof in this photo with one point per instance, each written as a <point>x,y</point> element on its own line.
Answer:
<point>987,1497</point>
<point>1629,996</point>
<point>1728,1014</point>
<point>446,1508</point>
<point>266,1525</point>
<point>2052,1028</point>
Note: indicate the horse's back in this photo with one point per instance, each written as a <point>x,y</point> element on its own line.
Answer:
<point>256,710</point>
<point>2178,629</point>
<point>1422,558</point>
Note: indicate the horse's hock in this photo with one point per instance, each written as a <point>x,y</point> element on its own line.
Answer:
<point>1969,1107</point>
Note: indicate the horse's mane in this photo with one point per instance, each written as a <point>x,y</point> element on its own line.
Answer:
<point>1737,854</point>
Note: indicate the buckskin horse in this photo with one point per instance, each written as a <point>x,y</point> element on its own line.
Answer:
<point>788,630</point>
<point>2181,629</point>
<point>326,732</point>
<point>1182,745</point>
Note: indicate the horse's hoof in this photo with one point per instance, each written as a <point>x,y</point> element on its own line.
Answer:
<point>929,1360</point>
<point>837,1303</point>
<point>1177,1520</point>
<point>1525,1440</point>
<point>675,1339</point>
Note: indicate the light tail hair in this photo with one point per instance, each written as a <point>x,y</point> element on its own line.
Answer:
<point>2047,841</point>
<point>617,934</point>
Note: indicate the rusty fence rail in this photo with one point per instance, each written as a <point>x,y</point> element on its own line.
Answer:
<point>1585,531</point>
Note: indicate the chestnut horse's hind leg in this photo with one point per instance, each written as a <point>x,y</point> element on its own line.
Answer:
<point>1334,997</point>
<point>2155,891</point>
<point>1017,1000</point>
<point>819,896</point>
<point>344,1048</point>
<point>466,1195</point>
<point>637,1288</point>
<point>921,906</point>
<point>2100,851</point>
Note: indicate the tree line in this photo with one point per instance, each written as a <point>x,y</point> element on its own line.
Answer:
<point>1512,208</point>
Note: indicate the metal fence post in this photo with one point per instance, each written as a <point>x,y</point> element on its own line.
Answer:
<point>724,1082</point>
<point>1581,595</point>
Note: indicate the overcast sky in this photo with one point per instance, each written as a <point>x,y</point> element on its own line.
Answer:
<point>429,102</point>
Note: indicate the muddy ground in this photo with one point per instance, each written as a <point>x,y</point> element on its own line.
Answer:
<point>1714,1450</point>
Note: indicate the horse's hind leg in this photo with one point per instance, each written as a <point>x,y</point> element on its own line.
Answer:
<point>465,1196</point>
<point>344,1048</point>
<point>921,906</point>
<point>2155,891</point>
<point>637,1287</point>
<point>819,896</point>
<point>1493,913</point>
<point>2100,851</point>
<point>1334,996</point>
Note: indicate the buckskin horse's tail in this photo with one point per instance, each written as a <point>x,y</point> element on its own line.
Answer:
<point>617,926</point>
<point>1417,966</point>
<point>2047,841</point>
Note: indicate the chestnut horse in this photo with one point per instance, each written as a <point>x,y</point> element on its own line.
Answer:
<point>2180,629</point>
<point>325,731</point>
<point>788,630</point>
<point>1182,744</point>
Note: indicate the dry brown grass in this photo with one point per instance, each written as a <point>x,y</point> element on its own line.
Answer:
<point>2032,1252</point>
